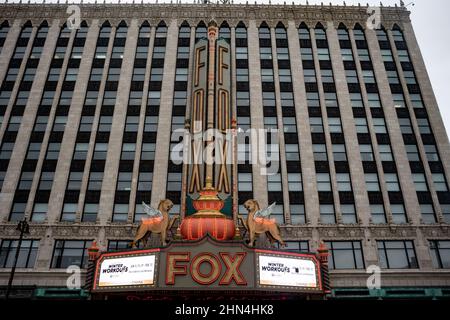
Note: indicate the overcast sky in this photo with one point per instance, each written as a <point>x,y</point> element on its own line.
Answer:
<point>431,24</point>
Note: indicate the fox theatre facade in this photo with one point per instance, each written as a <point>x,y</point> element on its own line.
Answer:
<point>208,251</point>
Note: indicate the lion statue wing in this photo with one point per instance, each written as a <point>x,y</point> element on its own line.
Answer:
<point>265,213</point>
<point>153,213</point>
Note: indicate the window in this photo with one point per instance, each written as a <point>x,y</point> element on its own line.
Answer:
<point>327,75</point>
<point>26,179</point>
<point>289,125</point>
<point>327,214</point>
<point>397,254</point>
<point>309,75</point>
<point>356,100</point>
<point>117,245</point>
<point>267,75</point>
<point>70,252</point>
<point>33,151</point>
<point>17,211</point>
<point>363,55</point>
<point>335,125</point>
<point>313,99</point>
<point>284,75</point>
<point>439,182</point>
<point>81,150</point>
<point>399,100</point>
<point>90,212</point>
<point>120,213</point>
<point>420,182</point>
<point>348,212</point>
<point>128,150</point>
<point>343,182</point>
<point>95,180</point>
<point>372,182</point>
<point>100,151</point>
<point>27,253</point>
<point>378,214</point>
<point>412,152</point>
<point>320,152</point>
<point>297,214</point>
<point>151,124</point>
<point>41,123</point>
<point>379,125</point>
<point>385,152</point>
<point>39,212</point>
<point>361,125</point>
<point>368,76</point>
<point>331,100</point>
<point>416,100</point>
<point>427,212</point>
<point>445,208</point>
<point>307,55</point>
<point>295,181</point>
<point>53,151</point>
<point>323,54</point>
<point>245,182</point>
<point>274,182</point>
<point>352,76</point>
<point>391,180</point>
<point>398,213</point>
<point>6,150</point>
<point>316,124</point>
<point>174,181</point>
<point>424,126</point>
<point>431,152</point>
<point>145,181</point>
<point>75,179</point>
<point>60,123</point>
<point>124,181</point>
<point>148,151</point>
<point>374,100</point>
<point>339,153</point>
<point>292,153</point>
<point>347,54</point>
<point>366,152</point>
<point>345,254</point>
<point>69,212</point>
<point>440,253</point>
<point>405,125</point>
<point>46,180</point>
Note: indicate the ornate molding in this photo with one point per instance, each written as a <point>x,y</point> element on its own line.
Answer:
<point>194,13</point>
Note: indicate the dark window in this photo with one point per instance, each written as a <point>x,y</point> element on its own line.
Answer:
<point>27,253</point>
<point>345,255</point>
<point>397,254</point>
<point>70,252</point>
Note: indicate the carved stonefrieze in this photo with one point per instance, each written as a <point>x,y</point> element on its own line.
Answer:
<point>435,232</point>
<point>393,232</point>
<point>342,232</point>
<point>272,14</point>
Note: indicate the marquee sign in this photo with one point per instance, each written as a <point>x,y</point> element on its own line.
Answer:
<point>208,264</point>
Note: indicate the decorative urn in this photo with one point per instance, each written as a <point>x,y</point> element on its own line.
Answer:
<point>208,219</point>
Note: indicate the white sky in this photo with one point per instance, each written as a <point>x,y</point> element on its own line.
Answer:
<point>431,23</point>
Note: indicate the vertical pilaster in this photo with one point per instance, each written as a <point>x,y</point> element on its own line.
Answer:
<point>398,147</point>
<point>282,147</point>
<point>348,127</point>
<point>115,140</point>
<point>303,129</point>
<point>165,116</point>
<point>73,120</point>
<point>256,112</point>
<point>9,47</point>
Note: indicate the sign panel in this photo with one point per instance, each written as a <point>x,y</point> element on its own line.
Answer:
<point>287,271</point>
<point>127,271</point>
<point>209,265</point>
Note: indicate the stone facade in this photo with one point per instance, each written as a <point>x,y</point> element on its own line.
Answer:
<point>252,16</point>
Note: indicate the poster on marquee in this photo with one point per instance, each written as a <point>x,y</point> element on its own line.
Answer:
<point>287,271</point>
<point>127,271</point>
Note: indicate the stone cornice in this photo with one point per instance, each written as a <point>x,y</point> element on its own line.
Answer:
<point>194,13</point>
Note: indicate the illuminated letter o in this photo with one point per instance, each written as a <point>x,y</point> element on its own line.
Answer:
<point>213,275</point>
